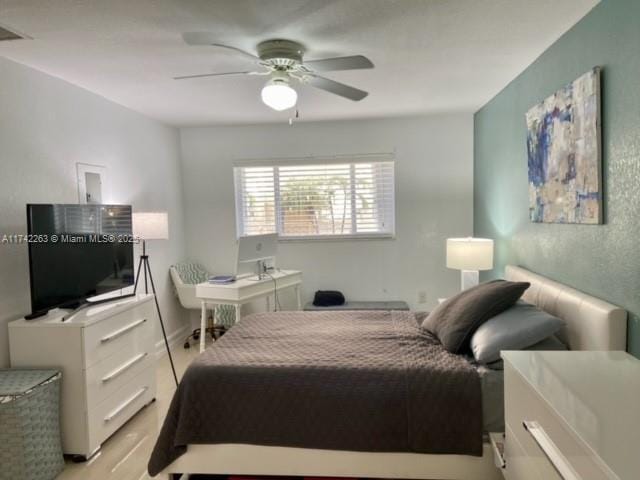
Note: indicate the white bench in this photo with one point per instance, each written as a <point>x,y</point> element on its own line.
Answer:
<point>397,305</point>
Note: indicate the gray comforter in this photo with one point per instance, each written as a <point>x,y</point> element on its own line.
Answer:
<point>360,381</point>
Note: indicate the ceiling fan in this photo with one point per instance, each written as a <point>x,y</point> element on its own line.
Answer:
<point>282,61</point>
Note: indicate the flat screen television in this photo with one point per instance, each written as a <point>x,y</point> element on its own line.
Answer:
<point>77,252</point>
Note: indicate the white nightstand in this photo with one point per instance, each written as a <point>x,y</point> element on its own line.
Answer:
<point>571,415</point>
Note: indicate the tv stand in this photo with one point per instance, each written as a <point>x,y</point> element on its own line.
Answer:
<point>107,355</point>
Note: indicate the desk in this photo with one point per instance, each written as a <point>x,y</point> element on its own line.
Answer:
<point>243,291</point>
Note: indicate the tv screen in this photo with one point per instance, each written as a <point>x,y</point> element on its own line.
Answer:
<point>77,252</point>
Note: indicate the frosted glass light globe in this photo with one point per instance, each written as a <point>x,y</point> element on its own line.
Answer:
<point>279,96</point>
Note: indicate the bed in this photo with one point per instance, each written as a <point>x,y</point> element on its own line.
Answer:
<point>262,436</point>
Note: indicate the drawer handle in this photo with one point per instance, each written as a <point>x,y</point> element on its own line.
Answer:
<point>550,450</point>
<point>122,331</point>
<point>123,368</point>
<point>125,404</point>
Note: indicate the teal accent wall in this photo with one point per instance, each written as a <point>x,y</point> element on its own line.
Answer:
<point>601,260</point>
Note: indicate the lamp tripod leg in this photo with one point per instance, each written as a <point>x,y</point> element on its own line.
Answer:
<point>164,333</point>
<point>146,261</point>
<point>135,287</point>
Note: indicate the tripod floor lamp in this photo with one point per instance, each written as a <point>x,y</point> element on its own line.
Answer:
<point>151,226</point>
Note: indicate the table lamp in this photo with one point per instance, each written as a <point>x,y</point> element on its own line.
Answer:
<point>151,226</point>
<point>469,255</point>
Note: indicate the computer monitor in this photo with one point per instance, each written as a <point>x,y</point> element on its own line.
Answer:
<point>253,251</point>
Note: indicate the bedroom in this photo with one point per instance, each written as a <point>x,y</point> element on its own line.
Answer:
<point>91,85</point>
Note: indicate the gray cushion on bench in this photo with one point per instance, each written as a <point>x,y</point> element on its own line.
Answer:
<point>360,306</point>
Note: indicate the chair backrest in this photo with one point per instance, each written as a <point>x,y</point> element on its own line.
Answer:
<point>185,276</point>
<point>189,273</point>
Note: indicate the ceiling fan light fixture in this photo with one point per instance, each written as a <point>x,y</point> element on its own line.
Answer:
<point>277,94</point>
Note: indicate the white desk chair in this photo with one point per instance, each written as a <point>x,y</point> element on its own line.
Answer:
<point>185,276</point>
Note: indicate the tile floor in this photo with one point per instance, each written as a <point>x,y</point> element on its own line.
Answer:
<point>124,456</point>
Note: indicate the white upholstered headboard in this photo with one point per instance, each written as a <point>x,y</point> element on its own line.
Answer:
<point>592,324</point>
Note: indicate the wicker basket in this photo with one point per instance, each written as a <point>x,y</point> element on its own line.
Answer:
<point>30,446</point>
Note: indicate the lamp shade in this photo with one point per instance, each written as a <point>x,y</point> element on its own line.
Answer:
<point>470,253</point>
<point>151,225</point>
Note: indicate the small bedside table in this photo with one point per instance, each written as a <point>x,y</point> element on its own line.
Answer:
<point>573,415</point>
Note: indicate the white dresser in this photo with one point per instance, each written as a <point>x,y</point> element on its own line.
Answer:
<point>107,357</point>
<point>572,415</point>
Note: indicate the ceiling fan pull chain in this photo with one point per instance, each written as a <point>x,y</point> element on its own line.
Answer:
<point>297,116</point>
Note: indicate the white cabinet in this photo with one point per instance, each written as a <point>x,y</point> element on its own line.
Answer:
<point>571,415</point>
<point>107,357</point>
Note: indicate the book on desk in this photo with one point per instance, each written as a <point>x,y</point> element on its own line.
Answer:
<point>222,279</point>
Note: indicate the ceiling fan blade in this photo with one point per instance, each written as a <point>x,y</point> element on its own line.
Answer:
<point>203,75</point>
<point>209,38</point>
<point>336,88</point>
<point>355,62</point>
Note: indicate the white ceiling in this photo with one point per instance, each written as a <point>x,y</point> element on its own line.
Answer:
<point>430,55</point>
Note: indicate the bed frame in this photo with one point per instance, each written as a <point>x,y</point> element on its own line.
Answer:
<point>592,324</point>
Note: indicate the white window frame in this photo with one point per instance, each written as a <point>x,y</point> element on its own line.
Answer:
<point>338,159</point>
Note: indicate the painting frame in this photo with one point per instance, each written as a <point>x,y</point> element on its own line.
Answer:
<point>564,154</point>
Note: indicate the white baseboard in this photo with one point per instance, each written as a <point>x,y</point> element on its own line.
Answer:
<point>175,338</point>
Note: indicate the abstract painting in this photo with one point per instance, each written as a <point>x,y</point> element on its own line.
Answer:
<point>563,143</point>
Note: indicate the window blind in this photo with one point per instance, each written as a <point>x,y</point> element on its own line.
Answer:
<point>316,198</point>
<point>89,219</point>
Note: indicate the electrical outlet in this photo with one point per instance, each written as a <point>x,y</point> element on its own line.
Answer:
<point>422,296</point>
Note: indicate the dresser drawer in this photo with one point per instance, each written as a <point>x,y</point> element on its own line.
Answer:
<point>108,375</point>
<point>543,436</point>
<point>110,414</point>
<point>131,327</point>
<point>519,465</point>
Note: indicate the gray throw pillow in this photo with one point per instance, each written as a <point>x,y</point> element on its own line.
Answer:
<point>549,344</point>
<point>456,319</point>
<point>517,328</point>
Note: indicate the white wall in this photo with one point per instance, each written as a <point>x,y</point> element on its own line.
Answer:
<point>46,126</point>
<point>434,181</point>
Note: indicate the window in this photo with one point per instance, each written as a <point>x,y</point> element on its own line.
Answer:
<point>318,198</point>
